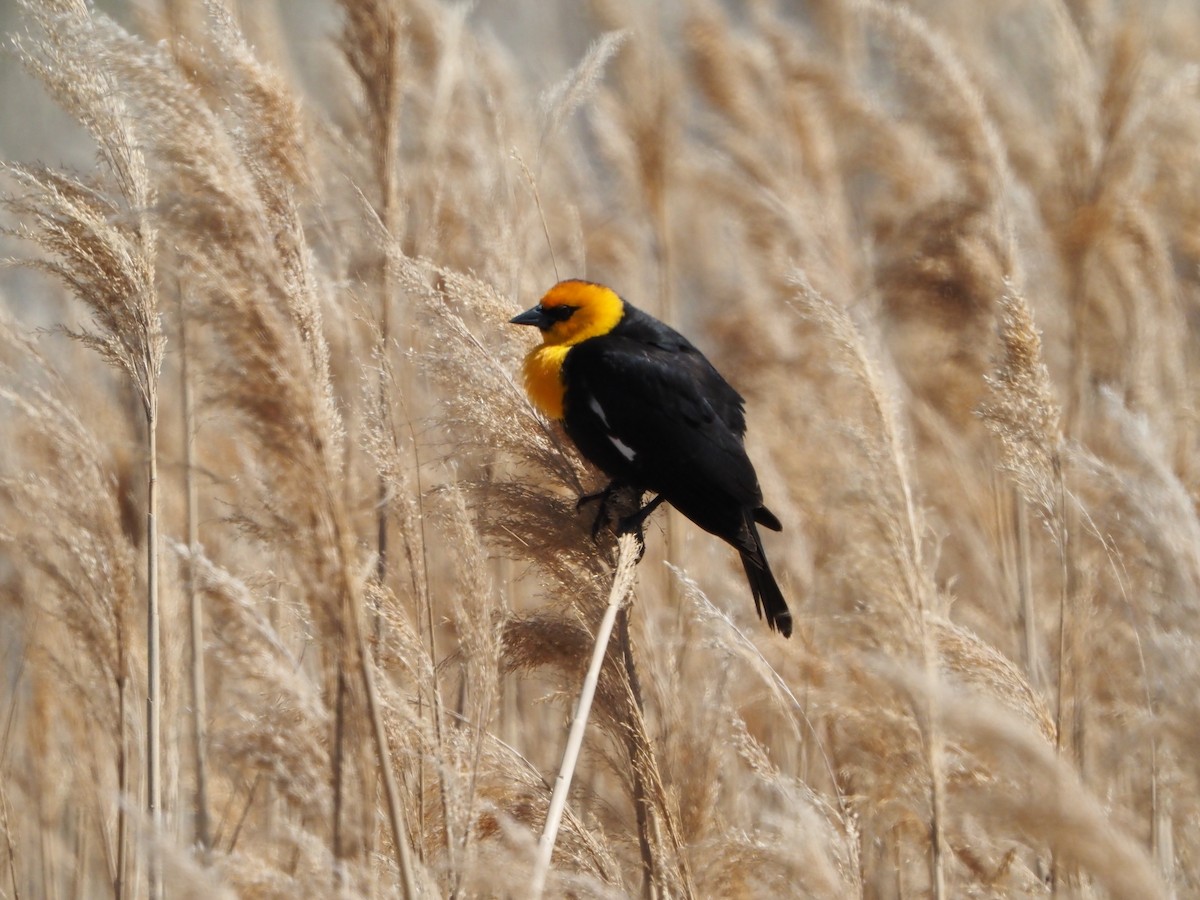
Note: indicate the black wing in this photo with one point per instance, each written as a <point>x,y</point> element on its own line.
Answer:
<point>656,414</point>
<point>641,328</point>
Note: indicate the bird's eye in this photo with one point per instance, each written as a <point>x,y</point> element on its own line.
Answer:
<point>559,313</point>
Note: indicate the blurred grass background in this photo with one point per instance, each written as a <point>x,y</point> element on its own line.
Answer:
<point>950,253</point>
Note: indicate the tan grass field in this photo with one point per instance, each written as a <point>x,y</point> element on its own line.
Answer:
<point>294,598</point>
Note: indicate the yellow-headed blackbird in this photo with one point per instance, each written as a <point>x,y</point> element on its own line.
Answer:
<point>644,405</point>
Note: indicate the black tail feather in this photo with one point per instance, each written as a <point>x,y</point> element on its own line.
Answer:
<point>767,519</point>
<point>768,598</point>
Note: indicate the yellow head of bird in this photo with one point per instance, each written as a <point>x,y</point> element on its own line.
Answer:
<point>573,311</point>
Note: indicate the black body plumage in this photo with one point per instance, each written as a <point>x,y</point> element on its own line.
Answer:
<point>643,404</point>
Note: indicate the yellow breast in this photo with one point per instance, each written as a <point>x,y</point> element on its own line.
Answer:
<point>543,378</point>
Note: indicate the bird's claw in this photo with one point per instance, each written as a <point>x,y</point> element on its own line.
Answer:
<point>634,524</point>
<point>603,514</point>
<point>602,496</point>
<point>612,497</point>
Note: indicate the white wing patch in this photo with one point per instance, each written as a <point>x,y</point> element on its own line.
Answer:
<point>594,406</point>
<point>623,448</point>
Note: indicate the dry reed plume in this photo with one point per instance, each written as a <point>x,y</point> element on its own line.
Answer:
<point>295,597</point>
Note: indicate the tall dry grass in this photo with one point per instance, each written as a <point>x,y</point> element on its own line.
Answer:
<point>948,252</point>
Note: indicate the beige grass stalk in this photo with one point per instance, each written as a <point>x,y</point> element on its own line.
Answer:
<point>1024,415</point>
<point>153,642</point>
<point>372,43</point>
<point>642,805</point>
<point>11,855</point>
<point>99,241</point>
<point>1028,602</point>
<point>5,818</point>
<point>194,601</point>
<point>622,584</point>
<point>391,788</point>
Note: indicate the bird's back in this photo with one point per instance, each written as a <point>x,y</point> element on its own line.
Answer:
<point>643,328</point>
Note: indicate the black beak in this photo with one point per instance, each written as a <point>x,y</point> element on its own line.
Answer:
<point>533,316</point>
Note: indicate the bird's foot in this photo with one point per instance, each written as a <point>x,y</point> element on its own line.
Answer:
<point>616,501</point>
<point>604,498</point>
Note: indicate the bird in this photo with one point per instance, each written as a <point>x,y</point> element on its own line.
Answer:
<point>647,408</point>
